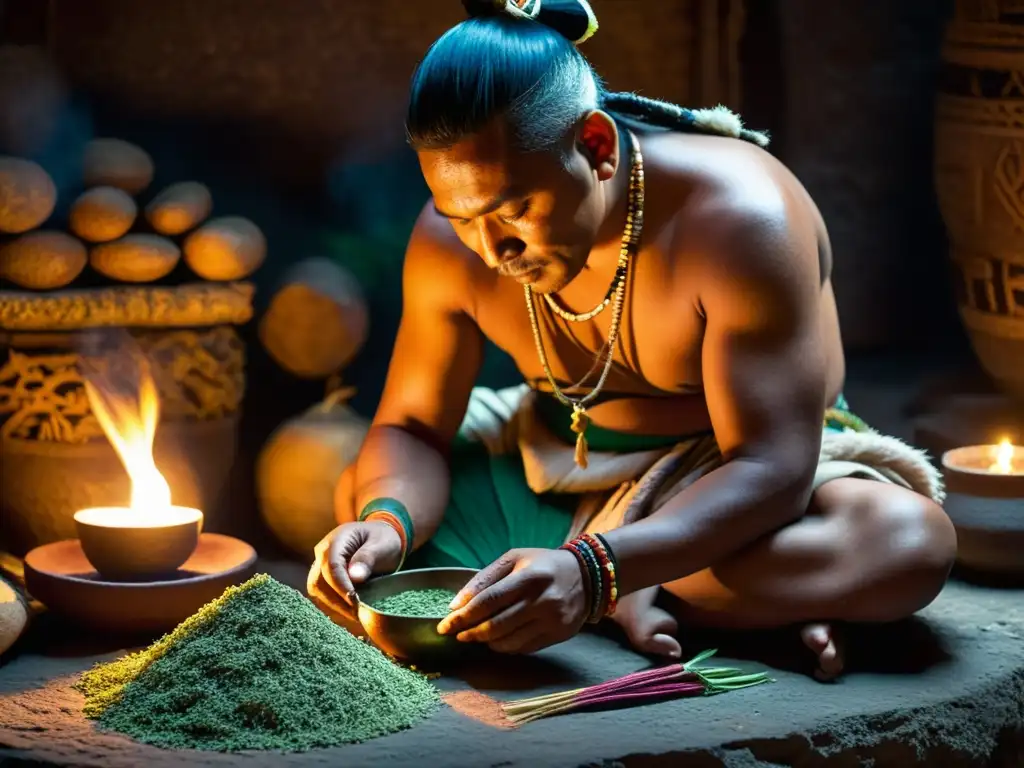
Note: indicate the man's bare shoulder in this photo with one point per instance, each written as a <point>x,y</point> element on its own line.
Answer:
<point>437,263</point>
<point>734,201</point>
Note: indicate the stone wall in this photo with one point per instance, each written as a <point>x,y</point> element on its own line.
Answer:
<point>297,91</point>
<point>858,88</point>
<point>292,113</point>
<point>326,78</point>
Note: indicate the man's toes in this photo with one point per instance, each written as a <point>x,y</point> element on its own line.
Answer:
<point>816,637</point>
<point>663,645</point>
<point>823,642</point>
<point>653,632</point>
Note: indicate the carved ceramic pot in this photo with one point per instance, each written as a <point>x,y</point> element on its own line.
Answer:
<point>54,457</point>
<point>979,173</point>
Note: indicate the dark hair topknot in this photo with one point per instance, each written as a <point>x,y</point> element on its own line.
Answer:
<point>573,19</point>
<point>518,60</point>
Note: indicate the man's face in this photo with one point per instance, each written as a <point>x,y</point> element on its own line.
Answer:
<point>533,217</point>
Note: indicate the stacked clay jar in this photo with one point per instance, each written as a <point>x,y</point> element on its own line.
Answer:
<point>108,232</point>
<point>119,228</point>
<point>123,254</point>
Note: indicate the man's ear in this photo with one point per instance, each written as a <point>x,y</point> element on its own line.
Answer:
<point>599,142</point>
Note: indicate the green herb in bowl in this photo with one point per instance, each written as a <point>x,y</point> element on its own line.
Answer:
<point>419,603</point>
<point>400,611</point>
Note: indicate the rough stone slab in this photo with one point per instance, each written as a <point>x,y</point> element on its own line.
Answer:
<point>963,707</point>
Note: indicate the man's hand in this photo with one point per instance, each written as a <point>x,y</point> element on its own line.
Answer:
<point>525,601</point>
<point>349,555</point>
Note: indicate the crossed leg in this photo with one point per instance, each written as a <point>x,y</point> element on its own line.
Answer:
<point>865,552</point>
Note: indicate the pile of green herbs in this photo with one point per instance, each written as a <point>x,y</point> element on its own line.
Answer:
<point>258,668</point>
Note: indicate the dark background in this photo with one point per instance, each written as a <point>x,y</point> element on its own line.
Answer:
<point>292,113</point>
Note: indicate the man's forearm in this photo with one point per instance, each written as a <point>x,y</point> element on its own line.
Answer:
<point>396,464</point>
<point>720,514</point>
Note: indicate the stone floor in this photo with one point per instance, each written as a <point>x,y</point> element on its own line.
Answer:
<point>944,689</point>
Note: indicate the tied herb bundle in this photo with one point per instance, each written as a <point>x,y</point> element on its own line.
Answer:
<point>672,681</point>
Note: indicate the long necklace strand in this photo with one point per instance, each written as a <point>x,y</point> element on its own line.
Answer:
<point>582,317</point>
<point>630,241</point>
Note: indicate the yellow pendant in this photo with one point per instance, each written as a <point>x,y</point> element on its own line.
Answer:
<point>580,422</point>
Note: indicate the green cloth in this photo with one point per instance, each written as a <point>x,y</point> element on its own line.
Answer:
<point>492,510</point>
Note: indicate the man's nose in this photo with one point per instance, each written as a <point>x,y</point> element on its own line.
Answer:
<point>495,246</point>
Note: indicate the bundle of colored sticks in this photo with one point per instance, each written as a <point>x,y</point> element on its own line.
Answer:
<point>672,681</point>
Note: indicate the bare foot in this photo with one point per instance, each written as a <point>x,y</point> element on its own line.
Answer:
<point>650,629</point>
<point>824,641</point>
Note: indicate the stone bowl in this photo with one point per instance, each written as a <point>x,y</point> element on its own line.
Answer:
<point>123,544</point>
<point>412,638</point>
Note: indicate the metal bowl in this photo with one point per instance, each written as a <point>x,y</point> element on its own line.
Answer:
<point>412,638</point>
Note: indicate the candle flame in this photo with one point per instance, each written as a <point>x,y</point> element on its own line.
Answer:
<point>129,420</point>
<point>1003,463</point>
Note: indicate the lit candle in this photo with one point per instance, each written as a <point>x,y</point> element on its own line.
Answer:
<point>1005,459</point>
<point>995,470</point>
<point>150,537</point>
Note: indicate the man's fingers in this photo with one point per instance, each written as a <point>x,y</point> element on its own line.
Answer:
<point>483,606</point>
<point>316,574</point>
<point>504,623</point>
<point>493,573</point>
<point>323,544</point>
<point>333,574</point>
<point>379,552</point>
<point>336,609</point>
<point>361,564</point>
<point>335,565</point>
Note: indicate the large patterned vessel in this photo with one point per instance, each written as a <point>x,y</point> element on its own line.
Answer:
<point>54,457</point>
<point>980,178</point>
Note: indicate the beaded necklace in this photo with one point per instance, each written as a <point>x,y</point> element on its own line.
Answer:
<point>615,297</point>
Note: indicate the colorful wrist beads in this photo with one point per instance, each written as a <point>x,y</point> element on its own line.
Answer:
<point>598,565</point>
<point>394,513</point>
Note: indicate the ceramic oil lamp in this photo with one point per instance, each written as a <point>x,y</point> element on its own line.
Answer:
<point>126,544</point>
<point>150,538</point>
<point>147,566</point>
<point>987,471</point>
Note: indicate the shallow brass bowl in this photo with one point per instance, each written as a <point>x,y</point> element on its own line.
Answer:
<point>411,638</point>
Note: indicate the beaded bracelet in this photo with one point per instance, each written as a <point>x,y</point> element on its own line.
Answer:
<point>608,550</point>
<point>590,594</point>
<point>608,570</point>
<point>599,567</point>
<point>594,568</point>
<point>591,577</point>
<point>393,512</point>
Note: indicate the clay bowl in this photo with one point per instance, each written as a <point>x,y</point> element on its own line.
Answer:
<point>987,509</point>
<point>408,637</point>
<point>61,577</point>
<point>990,535</point>
<point>965,471</point>
<point>124,545</point>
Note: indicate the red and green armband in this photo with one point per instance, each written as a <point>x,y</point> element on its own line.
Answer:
<point>393,513</point>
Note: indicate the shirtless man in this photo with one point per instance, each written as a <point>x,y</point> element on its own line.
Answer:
<point>728,325</point>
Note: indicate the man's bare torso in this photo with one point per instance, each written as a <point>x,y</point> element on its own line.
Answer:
<point>730,323</point>
<point>655,386</point>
